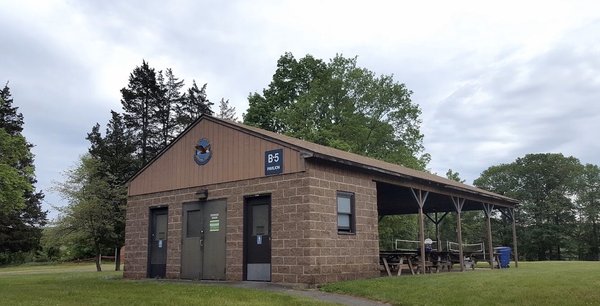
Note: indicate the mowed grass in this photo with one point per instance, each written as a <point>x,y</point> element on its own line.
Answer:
<point>79,284</point>
<point>533,283</point>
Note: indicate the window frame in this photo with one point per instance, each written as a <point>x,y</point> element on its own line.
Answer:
<point>352,215</point>
<point>188,231</point>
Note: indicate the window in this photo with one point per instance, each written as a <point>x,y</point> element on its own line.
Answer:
<point>194,225</point>
<point>345,212</point>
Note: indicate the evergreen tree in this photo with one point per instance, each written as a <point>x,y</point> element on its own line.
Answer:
<point>10,119</point>
<point>194,104</point>
<point>21,214</point>
<point>226,111</point>
<point>165,113</point>
<point>141,99</point>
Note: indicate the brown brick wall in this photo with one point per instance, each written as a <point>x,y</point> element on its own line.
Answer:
<point>334,256</point>
<point>289,230</point>
<point>306,247</point>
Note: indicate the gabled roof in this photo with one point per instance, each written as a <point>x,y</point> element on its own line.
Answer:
<point>313,150</point>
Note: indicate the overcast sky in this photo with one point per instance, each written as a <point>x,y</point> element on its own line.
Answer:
<point>495,81</point>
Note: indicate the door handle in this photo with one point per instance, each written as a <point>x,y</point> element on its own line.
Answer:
<point>201,239</point>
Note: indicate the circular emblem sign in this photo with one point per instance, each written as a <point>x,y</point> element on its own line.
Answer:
<point>203,152</point>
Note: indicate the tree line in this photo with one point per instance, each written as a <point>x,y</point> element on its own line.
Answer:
<point>559,213</point>
<point>334,103</point>
<point>557,219</point>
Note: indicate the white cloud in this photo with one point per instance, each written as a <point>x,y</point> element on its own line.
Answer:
<point>495,80</point>
<point>543,103</point>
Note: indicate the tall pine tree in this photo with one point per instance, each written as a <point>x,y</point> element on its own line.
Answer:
<point>10,118</point>
<point>165,113</point>
<point>194,104</point>
<point>141,99</point>
<point>226,111</point>
<point>21,217</point>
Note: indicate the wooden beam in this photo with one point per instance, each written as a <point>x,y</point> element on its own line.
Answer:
<point>437,222</point>
<point>446,190</point>
<point>458,204</point>
<point>421,201</point>
<point>437,232</point>
<point>511,211</point>
<point>435,219</point>
<point>487,208</point>
<point>430,218</point>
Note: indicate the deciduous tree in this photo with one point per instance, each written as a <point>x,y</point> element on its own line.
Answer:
<point>341,105</point>
<point>455,176</point>
<point>115,163</point>
<point>87,218</point>
<point>546,186</point>
<point>588,204</point>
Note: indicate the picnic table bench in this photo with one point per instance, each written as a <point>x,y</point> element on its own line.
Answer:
<point>398,261</point>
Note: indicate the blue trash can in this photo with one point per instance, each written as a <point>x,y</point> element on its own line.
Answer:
<point>503,256</point>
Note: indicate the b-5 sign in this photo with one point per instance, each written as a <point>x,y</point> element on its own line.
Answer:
<point>274,162</point>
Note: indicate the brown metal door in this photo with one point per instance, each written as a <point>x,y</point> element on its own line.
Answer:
<point>257,238</point>
<point>213,264</point>
<point>158,243</point>
<point>191,249</point>
<point>203,245</point>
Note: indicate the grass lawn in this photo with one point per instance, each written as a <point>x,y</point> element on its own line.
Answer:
<point>79,284</point>
<point>533,283</point>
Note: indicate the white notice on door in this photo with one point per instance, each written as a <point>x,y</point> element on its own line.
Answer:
<point>259,239</point>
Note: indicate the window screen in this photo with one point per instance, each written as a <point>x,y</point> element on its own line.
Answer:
<point>345,212</point>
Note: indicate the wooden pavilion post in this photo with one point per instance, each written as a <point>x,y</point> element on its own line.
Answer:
<point>511,212</point>
<point>421,198</point>
<point>488,213</point>
<point>458,204</point>
<point>437,230</point>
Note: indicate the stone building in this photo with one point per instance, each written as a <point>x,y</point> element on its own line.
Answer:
<point>226,201</point>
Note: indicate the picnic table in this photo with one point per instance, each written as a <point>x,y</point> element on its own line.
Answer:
<point>399,259</point>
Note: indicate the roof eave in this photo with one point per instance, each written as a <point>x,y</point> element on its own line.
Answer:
<point>404,176</point>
